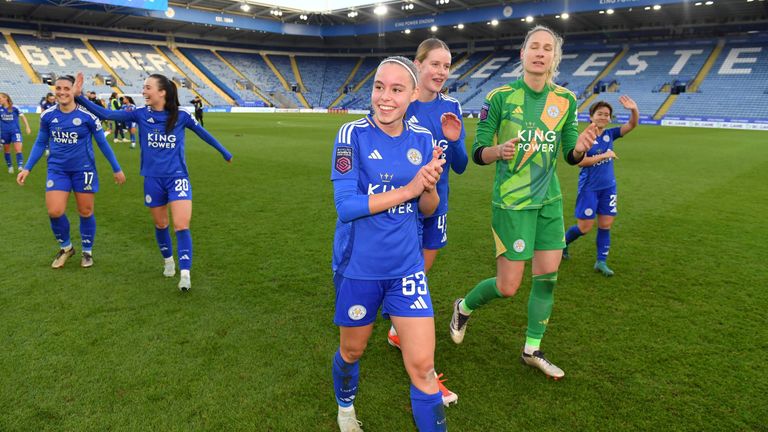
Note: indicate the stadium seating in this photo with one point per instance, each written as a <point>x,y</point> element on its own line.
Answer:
<point>253,67</point>
<point>361,99</point>
<point>323,77</point>
<point>60,56</point>
<point>647,70</point>
<point>133,63</point>
<point>206,92</point>
<point>735,87</point>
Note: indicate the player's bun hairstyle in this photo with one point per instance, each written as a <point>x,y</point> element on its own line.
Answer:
<point>404,62</point>
<point>427,46</point>
<point>600,104</point>
<point>558,51</point>
<point>171,100</point>
<point>8,98</point>
<point>69,78</point>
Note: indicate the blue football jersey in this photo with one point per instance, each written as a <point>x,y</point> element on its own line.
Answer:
<point>162,154</point>
<point>9,119</point>
<point>600,175</point>
<point>385,245</point>
<point>427,115</point>
<point>69,137</point>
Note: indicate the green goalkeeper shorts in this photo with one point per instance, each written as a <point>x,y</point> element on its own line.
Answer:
<point>520,232</point>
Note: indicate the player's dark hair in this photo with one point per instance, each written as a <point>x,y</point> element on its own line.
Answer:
<point>405,63</point>
<point>69,78</point>
<point>171,100</point>
<point>600,104</point>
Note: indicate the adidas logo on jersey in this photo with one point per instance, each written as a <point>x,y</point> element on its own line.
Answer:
<point>87,188</point>
<point>517,110</point>
<point>419,304</point>
<point>151,120</point>
<point>55,120</point>
<point>413,120</point>
<point>182,194</point>
<point>184,257</point>
<point>375,155</point>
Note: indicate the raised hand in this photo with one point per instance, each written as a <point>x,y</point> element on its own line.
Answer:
<point>77,89</point>
<point>506,151</point>
<point>451,126</point>
<point>627,103</point>
<point>587,138</point>
<point>610,155</point>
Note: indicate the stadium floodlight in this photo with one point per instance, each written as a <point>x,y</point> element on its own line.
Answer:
<point>245,7</point>
<point>352,14</point>
<point>433,28</point>
<point>601,12</point>
<point>529,19</point>
<point>565,15</point>
<point>380,10</point>
<point>657,7</point>
<point>494,22</point>
<point>460,26</point>
<point>709,3</point>
<point>303,17</point>
<point>647,8</point>
<point>407,31</point>
<point>700,3</point>
<point>609,11</point>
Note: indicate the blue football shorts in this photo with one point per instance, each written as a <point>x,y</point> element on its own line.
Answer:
<point>602,202</point>
<point>158,191</point>
<point>77,181</point>
<point>358,301</point>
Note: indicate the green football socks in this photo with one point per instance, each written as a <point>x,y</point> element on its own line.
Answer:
<point>481,294</point>
<point>540,306</point>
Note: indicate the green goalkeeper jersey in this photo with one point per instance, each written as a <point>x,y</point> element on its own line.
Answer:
<point>545,122</point>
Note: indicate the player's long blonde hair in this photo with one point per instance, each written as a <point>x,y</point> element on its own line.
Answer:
<point>7,98</point>
<point>558,52</point>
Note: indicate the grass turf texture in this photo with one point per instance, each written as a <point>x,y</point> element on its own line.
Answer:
<point>675,341</point>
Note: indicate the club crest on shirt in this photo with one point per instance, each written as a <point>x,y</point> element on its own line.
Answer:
<point>49,183</point>
<point>518,245</point>
<point>484,112</point>
<point>553,111</point>
<point>414,156</point>
<point>148,199</point>
<point>606,138</point>
<point>77,122</point>
<point>357,312</point>
<point>343,163</point>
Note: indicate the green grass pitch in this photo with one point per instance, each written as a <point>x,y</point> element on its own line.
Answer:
<point>677,340</point>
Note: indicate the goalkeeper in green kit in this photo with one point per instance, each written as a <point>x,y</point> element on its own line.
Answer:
<point>533,120</point>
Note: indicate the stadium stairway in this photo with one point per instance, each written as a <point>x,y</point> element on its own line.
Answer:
<point>695,83</point>
<point>255,89</point>
<point>188,63</point>
<point>346,83</point>
<point>22,59</point>
<point>299,81</point>
<point>183,75</point>
<point>105,65</point>
<point>471,70</point>
<point>616,59</point>
<point>282,79</point>
<point>707,66</point>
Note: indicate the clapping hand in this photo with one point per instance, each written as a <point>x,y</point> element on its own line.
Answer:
<point>451,126</point>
